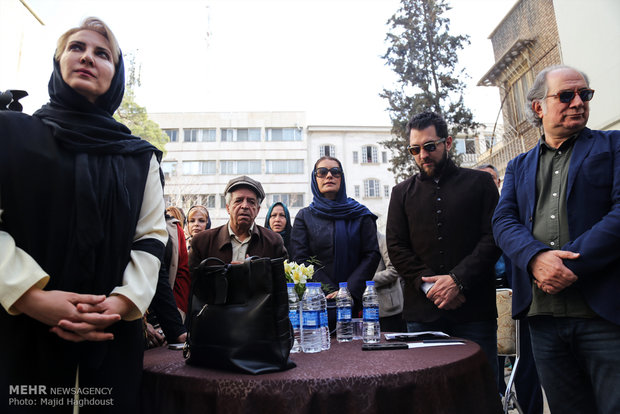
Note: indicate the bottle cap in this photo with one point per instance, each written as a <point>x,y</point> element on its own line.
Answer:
<point>290,285</point>
<point>342,284</point>
<point>370,283</point>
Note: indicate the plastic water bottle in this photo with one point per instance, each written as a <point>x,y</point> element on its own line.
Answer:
<point>371,332</point>
<point>311,319</point>
<point>293,315</point>
<point>344,324</point>
<point>325,339</point>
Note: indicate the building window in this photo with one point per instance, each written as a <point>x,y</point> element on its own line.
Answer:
<point>173,134</point>
<point>369,155</point>
<point>189,200</point>
<point>384,158</point>
<point>169,168</point>
<point>199,135</point>
<point>327,151</point>
<point>356,190</point>
<point>227,134</point>
<point>465,145</point>
<point>291,200</point>
<point>371,188</point>
<point>240,134</point>
<point>198,167</point>
<point>386,191</point>
<point>209,201</point>
<point>488,142</point>
<point>518,93</point>
<point>355,157</point>
<point>283,134</point>
<point>284,166</point>
<point>222,201</point>
<point>240,167</point>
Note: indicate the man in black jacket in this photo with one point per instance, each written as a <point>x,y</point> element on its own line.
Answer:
<point>440,241</point>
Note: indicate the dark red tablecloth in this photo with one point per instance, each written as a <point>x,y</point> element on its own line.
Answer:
<point>446,379</point>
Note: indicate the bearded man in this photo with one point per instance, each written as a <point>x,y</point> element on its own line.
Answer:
<point>440,241</point>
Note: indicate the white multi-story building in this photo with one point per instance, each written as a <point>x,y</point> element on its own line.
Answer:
<point>278,149</point>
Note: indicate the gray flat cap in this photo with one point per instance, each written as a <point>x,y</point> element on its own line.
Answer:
<point>245,181</point>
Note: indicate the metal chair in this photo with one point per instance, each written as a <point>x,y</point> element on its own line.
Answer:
<point>508,344</point>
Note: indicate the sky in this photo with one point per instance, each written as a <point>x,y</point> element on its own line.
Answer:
<point>318,56</point>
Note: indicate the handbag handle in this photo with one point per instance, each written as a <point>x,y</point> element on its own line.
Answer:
<point>219,282</point>
<point>208,259</point>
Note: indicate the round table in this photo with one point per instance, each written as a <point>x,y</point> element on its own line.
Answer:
<point>453,379</point>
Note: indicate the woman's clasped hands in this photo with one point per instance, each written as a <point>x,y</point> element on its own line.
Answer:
<point>74,317</point>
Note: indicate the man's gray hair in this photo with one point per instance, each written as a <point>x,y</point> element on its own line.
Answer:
<point>490,166</point>
<point>539,91</point>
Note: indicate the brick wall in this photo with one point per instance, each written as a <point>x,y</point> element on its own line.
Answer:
<point>534,20</point>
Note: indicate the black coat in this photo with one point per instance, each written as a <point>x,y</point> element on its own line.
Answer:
<point>437,228</point>
<point>314,237</point>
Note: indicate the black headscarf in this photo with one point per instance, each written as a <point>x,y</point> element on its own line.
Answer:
<point>81,126</point>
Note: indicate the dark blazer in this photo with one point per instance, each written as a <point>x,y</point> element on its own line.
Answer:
<point>593,206</point>
<point>437,228</point>
<point>216,243</point>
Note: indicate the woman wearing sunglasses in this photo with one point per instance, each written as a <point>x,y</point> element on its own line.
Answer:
<point>337,231</point>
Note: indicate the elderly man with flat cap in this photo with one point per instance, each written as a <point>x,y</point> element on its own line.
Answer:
<point>240,237</point>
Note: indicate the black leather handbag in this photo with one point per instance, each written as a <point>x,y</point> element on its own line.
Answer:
<point>238,316</point>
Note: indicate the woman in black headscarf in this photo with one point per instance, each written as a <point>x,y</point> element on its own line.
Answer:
<point>82,231</point>
<point>337,231</point>
<point>278,219</point>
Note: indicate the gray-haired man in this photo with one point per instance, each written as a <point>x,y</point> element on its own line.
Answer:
<point>241,236</point>
<point>558,220</point>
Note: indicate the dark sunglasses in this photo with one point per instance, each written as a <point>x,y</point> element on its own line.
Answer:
<point>568,96</point>
<point>428,147</point>
<point>322,172</point>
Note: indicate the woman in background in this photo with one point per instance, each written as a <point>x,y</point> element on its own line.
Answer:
<point>197,220</point>
<point>178,214</point>
<point>337,231</point>
<point>278,219</point>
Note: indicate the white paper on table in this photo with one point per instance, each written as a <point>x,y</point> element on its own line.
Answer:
<point>414,335</point>
<point>427,344</point>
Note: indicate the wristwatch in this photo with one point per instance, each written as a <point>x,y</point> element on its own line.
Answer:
<point>456,281</point>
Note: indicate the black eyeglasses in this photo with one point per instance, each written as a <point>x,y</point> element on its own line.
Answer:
<point>567,96</point>
<point>428,147</point>
<point>322,172</point>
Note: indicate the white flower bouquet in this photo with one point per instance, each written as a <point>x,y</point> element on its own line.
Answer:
<point>298,274</point>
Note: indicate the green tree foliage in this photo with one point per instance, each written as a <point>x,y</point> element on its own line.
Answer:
<point>424,56</point>
<point>135,116</point>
